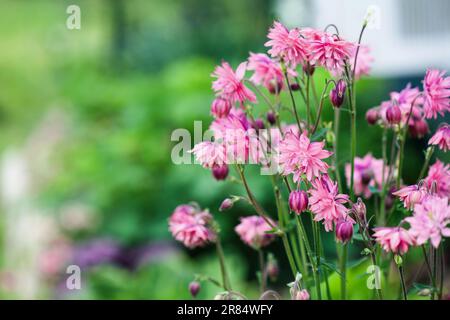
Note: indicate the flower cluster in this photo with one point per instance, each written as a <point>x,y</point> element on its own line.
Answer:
<point>248,128</point>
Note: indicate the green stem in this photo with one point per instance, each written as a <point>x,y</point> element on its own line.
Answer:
<point>402,280</point>
<point>292,99</point>
<point>430,272</point>
<point>307,101</point>
<point>344,271</point>
<point>442,270</point>
<point>317,251</point>
<point>335,147</point>
<point>428,155</point>
<point>223,270</point>
<point>263,270</point>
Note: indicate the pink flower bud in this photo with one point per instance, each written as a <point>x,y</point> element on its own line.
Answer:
<point>359,208</point>
<point>338,93</point>
<point>393,114</point>
<point>226,204</point>
<point>309,69</point>
<point>194,288</point>
<point>344,231</point>
<point>418,128</point>
<point>258,124</point>
<point>372,116</point>
<point>220,107</point>
<point>220,172</point>
<point>295,86</point>
<point>301,295</point>
<point>298,201</point>
<point>271,117</point>
<point>272,269</point>
<point>275,87</point>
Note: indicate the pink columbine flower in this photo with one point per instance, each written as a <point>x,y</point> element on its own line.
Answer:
<point>330,52</point>
<point>441,138</point>
<point>368,173</point>
<point>267,72</point>
<point>299,156</point>
<point>298,201</point>
<point>286,44</point>
<point>209,153</point>
<point>364,62</point>
<point>229,84</point>
<point>254,230</point>
<point>430,220</point>
<point>411,195</point>
<point>437,93</point>
<point>438,179</point>
<point>393,239</point>
<point>326,203</point>
<point>191,226</point>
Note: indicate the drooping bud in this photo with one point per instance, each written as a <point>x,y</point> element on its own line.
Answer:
<point>295,86</point>
<point>309,69</point>
<point>271,118</point>
<point>372,116</point>
<point>220,107</point>
<point>275,87</point>
<point>220,172</point>
<point>301,295</point>
<point>344,231</point>
<point>226,204</point>
<point>359,208</point>
<point>338,93</point>
<point>298,201</point>
<point>258,124</point>
<point>272,268</point>
<point>418,128</point>
<point>194,288</point>
<point>393,114</point>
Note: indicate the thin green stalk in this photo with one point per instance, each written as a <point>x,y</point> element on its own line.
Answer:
<point>402,280</point>
<point>344,271</point>
<point>292,99</point>
<point>317,264</point>
<point>223,270</point>
<point>428,155</point>
<point>263,270</point>
<point>307,101</point>
<point>442,270</point>
<point>335,147</point>
<point>430,272</point>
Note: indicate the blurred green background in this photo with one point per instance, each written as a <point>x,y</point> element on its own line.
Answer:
<point>85,123</point>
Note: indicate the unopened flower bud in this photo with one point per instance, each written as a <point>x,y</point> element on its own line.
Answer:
<point>274,87</point>
<point>272,268</point>
<point>220,172</point>
<point>338,93</point>
<point>372,116</point>
<point>424,292</point>
<point>359,208</point>
<point>271,118</point>
<point>295,86</point>
<point>393,114</point>
<point>298,201</point>
<point>258,124</point>
<point>309,69</point>
<point>226,204</point>
<point>220,107</point>
<point>301,295</point>
<point>194,288</point>
<point>418,128</point>
<point>344,231</point>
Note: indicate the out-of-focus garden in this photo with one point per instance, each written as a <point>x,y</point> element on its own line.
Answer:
<point>86,118</point>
